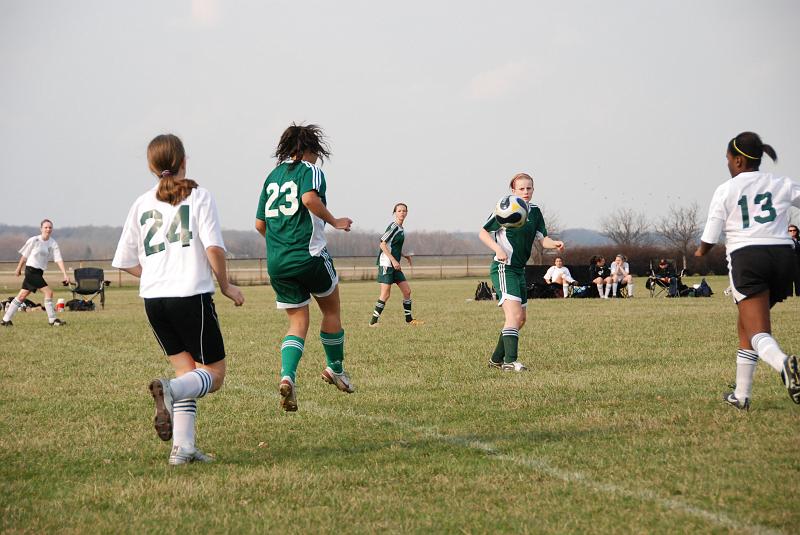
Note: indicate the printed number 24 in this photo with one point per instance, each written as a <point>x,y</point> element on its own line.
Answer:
<point>273,190</point>
<point>181,220</point>
<point>764,200</point>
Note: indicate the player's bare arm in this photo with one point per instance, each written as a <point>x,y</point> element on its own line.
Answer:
<point>487,240</point>
<point>216,258</point>
<point>315,205</point>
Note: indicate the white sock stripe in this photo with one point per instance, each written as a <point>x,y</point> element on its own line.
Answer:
<point>332,341</point>
<point>293,343</point>
<point>206,379</point>
<point>757,340</point>
<point>511,332</point>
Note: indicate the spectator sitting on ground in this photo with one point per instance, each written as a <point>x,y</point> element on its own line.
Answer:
<point>665,273</point>
<point>621,273</point>
<point>600,275</point>
<point>559,276</point>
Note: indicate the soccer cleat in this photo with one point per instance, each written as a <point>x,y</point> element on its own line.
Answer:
<point>731,399</point>
<point>515,366</point>
<point>181,455</point>
<point>339,380</point>
<point>57,323</point>
<point>790,375</point>
<point>162,395</point>
<point>288,396</point>
<point>495,365</point>
<point>4,323</point>
<point>415,322</point>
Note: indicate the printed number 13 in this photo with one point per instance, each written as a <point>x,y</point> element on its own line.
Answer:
<point>764,200</point>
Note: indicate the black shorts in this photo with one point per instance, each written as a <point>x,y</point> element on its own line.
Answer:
<point>187,324</point>
<point>34,279</point>
<point>759,268</point>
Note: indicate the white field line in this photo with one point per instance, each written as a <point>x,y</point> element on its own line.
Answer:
<point>544,467</point>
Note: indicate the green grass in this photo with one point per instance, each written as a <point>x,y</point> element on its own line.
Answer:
<point>618,427</point>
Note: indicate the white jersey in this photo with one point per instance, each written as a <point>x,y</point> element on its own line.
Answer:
<point>38,251</point>
<point>170,242</point>
<point>752,209</point>
<point>619,271</point>
<point>554,272</point>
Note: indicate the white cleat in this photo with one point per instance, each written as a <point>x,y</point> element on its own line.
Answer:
<point>339,380</point>
<point>515,366</point>
<point>183,455</point>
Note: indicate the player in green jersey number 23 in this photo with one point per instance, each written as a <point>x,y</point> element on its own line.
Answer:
<point>291,216</point>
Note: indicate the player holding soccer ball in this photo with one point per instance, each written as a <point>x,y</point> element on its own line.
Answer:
<point>752,208</point>
<point>389,271</point>
<point>512,248</point>
<point>291,215</point>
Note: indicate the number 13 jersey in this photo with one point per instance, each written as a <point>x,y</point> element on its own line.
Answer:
<point>294,235</point>
<point>170,242</point>
<point>752,208</point>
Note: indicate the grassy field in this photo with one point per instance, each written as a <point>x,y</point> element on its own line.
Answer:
<point>618,427</point>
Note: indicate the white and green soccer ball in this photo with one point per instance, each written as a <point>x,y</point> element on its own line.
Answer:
<point>511,211</point>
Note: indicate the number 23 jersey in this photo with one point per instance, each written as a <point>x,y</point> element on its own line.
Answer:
<point>170,242</point>
<point>294,235</point>
<point>752,208</point>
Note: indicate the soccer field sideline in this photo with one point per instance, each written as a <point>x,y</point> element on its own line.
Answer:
<point>428,424</point>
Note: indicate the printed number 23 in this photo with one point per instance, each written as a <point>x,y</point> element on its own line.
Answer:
<point>273,190</point>
<point>764,200</point>
<point>181,220</point>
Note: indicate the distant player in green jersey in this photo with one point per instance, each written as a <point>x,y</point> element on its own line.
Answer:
<point>292,213</point>
<point>512,248</point>
<point>389,270</point>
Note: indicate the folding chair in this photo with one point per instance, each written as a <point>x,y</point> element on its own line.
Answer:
<point>658,287</point>
<point>90,281</point>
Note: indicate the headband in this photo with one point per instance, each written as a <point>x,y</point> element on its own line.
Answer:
<point>742,153</point>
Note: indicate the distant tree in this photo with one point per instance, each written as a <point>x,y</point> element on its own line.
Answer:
<point>680,229</point>
<point>553,226</point>
<point>626,228</point>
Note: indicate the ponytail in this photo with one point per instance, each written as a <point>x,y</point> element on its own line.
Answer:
<point>166,156</point>
<point>749,145</point>
<point>173,190</point>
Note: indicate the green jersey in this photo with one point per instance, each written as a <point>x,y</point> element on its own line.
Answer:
<point>518,242</point>
<point>394,238</point>
<point>294,235</point>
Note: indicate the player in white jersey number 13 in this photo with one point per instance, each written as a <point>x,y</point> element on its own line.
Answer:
<point>172,240</point>
<point>752,208</point>
<point>291,215</point>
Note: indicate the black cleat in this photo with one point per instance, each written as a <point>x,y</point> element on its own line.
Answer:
<point>790,376</point>
<point>58,323</point>
<point>6,323</point>
<point>731,399</point>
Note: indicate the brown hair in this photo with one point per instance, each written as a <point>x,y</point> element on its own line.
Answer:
<point>520,176</point>
<point>396,206</point>
<point>297,139</point>
<point>45,221</point>
<point>165,156</point>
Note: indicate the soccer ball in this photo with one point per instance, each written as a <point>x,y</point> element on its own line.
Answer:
<point>511,211</point>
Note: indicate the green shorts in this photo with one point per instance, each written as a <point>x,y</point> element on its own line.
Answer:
<point>509,283</point>
<point>318,279</point>
<point>389,275</point>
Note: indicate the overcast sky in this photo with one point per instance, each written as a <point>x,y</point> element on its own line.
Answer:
<point>437,104</point>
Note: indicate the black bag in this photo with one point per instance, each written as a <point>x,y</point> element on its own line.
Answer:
<point>79,305</point>
<point>483,292</point>
<point>580,291</point>
<point>703,290</point>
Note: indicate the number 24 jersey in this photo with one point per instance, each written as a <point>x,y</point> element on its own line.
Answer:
<point>170,242</point>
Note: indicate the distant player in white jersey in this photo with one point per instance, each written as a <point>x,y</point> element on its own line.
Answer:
<point>752,208</point>
<point>172,240</point>
<point>621,275</point>
<point>34,257</point>
<point>558,275</point>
